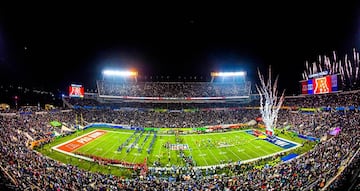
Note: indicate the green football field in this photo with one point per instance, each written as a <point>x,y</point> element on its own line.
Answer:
<point>204,149</point>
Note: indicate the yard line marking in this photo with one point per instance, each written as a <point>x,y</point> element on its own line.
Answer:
<point>136,154</point>
<point>258,152</point>
<point>200,151</point>
<point>228,149</point>
<point>269,147</point>
<point>242,149</point>
<point>133,140</point>
<point>160,141</point>
<point>109,148</point>
<point>218,161</point>
<point>95,152</point>
<point>91,147</point>
<point>246,148</point>
<point>266,152</point>
<point>144,141</point>
<point>238,158</point>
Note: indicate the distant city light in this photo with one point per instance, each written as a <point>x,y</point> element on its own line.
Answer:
<point>119,73</point>
<point>228,74</point>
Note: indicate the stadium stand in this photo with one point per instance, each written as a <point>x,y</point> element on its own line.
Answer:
<point>330,165</point>
<point>173,89</point>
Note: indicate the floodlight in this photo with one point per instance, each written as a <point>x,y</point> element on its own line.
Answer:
<point>119,73</point>
<point>225,74</point>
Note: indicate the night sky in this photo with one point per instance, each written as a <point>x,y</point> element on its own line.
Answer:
<point>52,46</point>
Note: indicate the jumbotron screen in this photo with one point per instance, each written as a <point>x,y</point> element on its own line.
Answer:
<point>76,90</point>
<point>320,85</point>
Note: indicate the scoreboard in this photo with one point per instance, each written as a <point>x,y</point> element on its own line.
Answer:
<point>76,90</point>
<point>320,85</point>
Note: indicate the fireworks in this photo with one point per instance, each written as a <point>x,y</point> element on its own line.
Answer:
<point>270,103</point>
<point>347,68</point>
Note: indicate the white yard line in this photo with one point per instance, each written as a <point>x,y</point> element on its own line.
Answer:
<point>93,146</point>
<point>143,142</point>
<point>249,140</point>
<point>201,153</point>
<point>235,153</point>
<point>162,141</point>
<point>109,149</point>
<point>241,147</point>
<point>270,148</point>
<point>265,152</point>
<point>136,156</point>
<point>227,148</point>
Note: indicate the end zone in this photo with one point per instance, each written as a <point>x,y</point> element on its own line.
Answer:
<point>78,142</point>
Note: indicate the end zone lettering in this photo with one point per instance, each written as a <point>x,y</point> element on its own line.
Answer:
<point>81,141</point>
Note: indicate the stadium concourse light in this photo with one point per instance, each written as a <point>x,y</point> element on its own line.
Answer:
<point>214,74</point>
<point>119,73</point>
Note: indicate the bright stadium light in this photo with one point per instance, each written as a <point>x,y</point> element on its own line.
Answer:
<point>225,74</point>
<point>119,73</point>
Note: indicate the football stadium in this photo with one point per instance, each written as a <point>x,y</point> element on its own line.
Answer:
<point>231,129</point>
<point>142,135</point>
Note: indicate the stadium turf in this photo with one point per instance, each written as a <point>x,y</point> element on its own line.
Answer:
<point>204,149</point>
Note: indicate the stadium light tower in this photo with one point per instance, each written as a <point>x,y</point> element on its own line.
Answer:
<point>270,103</point>
<point>228,74</point>
<point>120,73</point>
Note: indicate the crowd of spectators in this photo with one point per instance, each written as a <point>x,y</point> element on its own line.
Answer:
<point>342,99</point>
<point>315,124</point>
<point>30,170</point>
<point>89,103</point>
<point>173,89</point>
<point>168,119</point>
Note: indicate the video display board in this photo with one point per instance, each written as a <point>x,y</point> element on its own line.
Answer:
<point>320,85</point>
<point>76,90</point>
